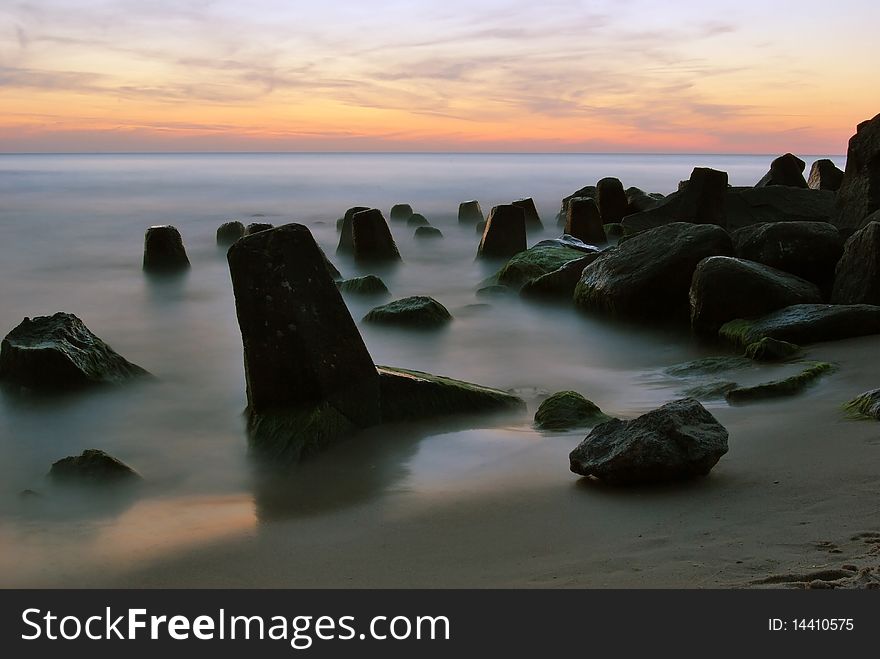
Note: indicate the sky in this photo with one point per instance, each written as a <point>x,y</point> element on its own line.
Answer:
<point>484,75</point>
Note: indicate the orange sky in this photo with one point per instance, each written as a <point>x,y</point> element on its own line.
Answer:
<point>630,75</point>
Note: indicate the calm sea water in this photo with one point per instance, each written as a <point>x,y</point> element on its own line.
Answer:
<point>72,235</point>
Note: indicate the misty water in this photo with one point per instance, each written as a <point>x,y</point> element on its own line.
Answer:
<point>72,238</point>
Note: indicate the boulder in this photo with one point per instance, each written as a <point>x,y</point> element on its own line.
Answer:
<point>560,283</point>
<point>859,193</point>
<point>649,275</point>
<point>857,277</point>
<point>418,311</point>
<point>789,386</point>
<point>417,220</point>
<point>346,233</point>
<point>427,233</point>
<point>613,231</point>
<point>565,410</point>
<point>771,350</point>
<point>480,227</point>
<point>584,222</point>
<point>256,227</point>
<point>568,241</point>
<point>806,323</point>
<point>638,201</point>
<point>533,220</point>
<point>494,290</point>
<point>366,285</point>
<point>809,250</point>
<point>310,379</point>
<point>611,199</point>
<point>505,233</point>
<point>725,288</point>
<point>533,263</point>
<point>229,232</point>
<point>677,441</point>
<point>469,212</point>
<point>57,353</point>
<point>586,191</point>
<point>702,199</point>
<point>825,175</point>
<point>92,467</point>
<point>401,212</point>
<point>866,405</point>
<point>785,170</point>
<point>164,251</point>
<point>371,238</point>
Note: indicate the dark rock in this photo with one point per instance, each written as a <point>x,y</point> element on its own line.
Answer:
<point>533,220</point>
<point>809,250</point>
<point>256,227</point>
<point>584,222</point>
<point>164,251</point>
<point>418,311</point>
<point>649,275</point>
<point>725,288</point>
<point>710,390</point>
<point>857,277</point>
<point>565,410</point>
<point>367,285</point>
<point>469,212</point>
<point>229,232</point>
<point>825,175</point>
<point>58,352</point>
<point>806,323</point>
<point>412,395</point>
<point>417,220</point>
<point>866,404</point>
<point>494,290</point>
<point>586,191</point>
<point>778,388</point>
<point>859,193</point>
<point>310,379</point>
<point>29,495</point>
<point>92,467</point>
<point>701,199</point>
<point>480,227</point>
<point>427,232</point>
<point>676,441</point>
<point>505,233</point>
<point>613,231</point>
<point>568,241</point>
<point>401,212</point>
<point>771,350</point>
<point>371,237</point>
<point>611,199</point>
<point>560,283</point>
<point>639,201</point>
<point>346,236</point>
<point>708,366</point>
<point>533,263</point>
<point>785,170</point>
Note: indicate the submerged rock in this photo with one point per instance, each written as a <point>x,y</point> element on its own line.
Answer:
<point>58,352</point>
<point>530,212</point>
<point>777,388</point>
<point>346,232</point>
<point>417,220</point>
<point>806,323</point>
<point>505,233</point>
<point>708,365</point>
<point>256,227</point>
<point>857,276</point>
<point>859,193</point>
<point>417,311</point>
<point>584,222</point>
<point>725,288</point>
<point>533,263</point>
<point>866,404</point>
<point>92,467</point>
<point>164,251</point>
<point>371,237</point>
<point>560,283</point>
<point>785,170</point>
<point>825,175</point>
<point>676,441</point>
<point>401,212</point>
<point>771,350</point>
<point>427,232</point>
<point>229,232</point>
<point>565,410</point>
<point>469,212</point>
<point>366,285</point>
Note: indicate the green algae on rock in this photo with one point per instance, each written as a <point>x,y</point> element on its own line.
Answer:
<point>865,405</point>
<point>789,386</point>
<point>366,285</point>
<point>771,350</point>
<point>417,311</point>
<point>568,409</point>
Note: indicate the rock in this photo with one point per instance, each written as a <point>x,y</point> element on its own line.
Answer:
<point>418,311</point>
<point>725,288</point>
<point>558,284</point>
<point>859,193</point>
<point>229,232</point>
<point>427,233</point>
<point>611,199</point>
<point>346,235</point>
<point>857,276</point>
<point>778,388</point>
<point>708,366</point>
<point>586,191</point>
<point>649,275</point>
<point>401,212</point>
<point>494,290</point>
<point>565,410</point>
<point>825,175</point>
<point>771,350</point>
<point>676,441</point>
<point>638,201</point>
<point>809,250</point>
<point>866,404</point>
<point>417,220</point>
<point>565,240</point>
<point>711,390</point>
<point>92,467</point>
<point>584,222</point>
<point>367,285</point>
<point>58,352</point>
<point>480,227</point>
<point>613,231</point>
<point>469,212</point>
<point>533,263</point>
<point>533,220</point>
<point>371,238</point>
<point>256,227</point>
<point>785,170</point>
<point>310,379</point>
<point>505,233</point>
<point>701,199</point>
<point>339,224</point>
<point>412,395</point>
<point>164,251</point>
<point>806,323</point>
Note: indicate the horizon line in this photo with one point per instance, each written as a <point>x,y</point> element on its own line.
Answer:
<point>457,153</point>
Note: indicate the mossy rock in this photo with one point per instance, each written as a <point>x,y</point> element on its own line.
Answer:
<point>865,405</point>
<point>778,388</point>
<point>366,285</point>
<point>613,231</point>
<point>711,390</point>
<point>771,350</point>
<point>291,435</point>
<point>565,410</point>
<point>419,311</point>
<point>532,263</point>
<point>494,290</point>
<point>708,365</point>
<point>803,324</point>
